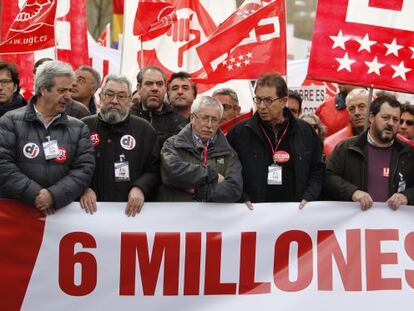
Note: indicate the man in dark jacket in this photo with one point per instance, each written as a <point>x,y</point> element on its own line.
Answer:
<point>46,157</point>
<point>198,163</point>
<point>10,97</point>
<point>281,156</point>
<point>373,166</point>
<point>126,151</point>
<point>152,87</point>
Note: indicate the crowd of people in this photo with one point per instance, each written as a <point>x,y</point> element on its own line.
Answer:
<point>163,142</point>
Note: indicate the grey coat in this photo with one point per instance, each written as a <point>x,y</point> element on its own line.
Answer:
<point>24,171</point>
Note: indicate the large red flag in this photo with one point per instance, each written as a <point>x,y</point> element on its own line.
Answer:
<point>250,42</point>
<point>32,29</point>
<point>364,42</point>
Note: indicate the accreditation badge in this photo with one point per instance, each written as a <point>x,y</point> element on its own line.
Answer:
<point>274,175</point>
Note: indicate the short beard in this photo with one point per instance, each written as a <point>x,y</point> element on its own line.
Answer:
<point>113,116</point>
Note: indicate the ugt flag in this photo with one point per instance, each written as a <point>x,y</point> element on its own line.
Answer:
<point>364,42</point>
<point>32,29</point>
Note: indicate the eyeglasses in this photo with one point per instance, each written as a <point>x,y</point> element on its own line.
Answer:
<point>228,107</point>
<point>207,119</point>
<point>408,122</point>
<point>6,81</point>
<point>121,97</point>
<point>266,100</point>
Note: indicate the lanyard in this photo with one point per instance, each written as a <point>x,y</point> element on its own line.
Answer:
<point>205,152</point>
<point>279,140</point>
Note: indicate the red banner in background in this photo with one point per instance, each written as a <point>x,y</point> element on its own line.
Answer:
<point>364,42</point>
<point>32,29</point>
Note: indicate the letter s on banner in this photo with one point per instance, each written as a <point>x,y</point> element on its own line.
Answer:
<point>68,260</point>
<point>359,11</point>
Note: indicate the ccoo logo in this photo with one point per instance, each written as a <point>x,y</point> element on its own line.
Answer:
<point>128,142</point>
<point>31,150</point>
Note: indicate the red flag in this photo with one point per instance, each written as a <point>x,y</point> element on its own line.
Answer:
<point>32,29</point>
<point>364,42</point>
<point>250,42</point>
<point>227,126</point>
<point>153,18</point>
<point>105,37</point>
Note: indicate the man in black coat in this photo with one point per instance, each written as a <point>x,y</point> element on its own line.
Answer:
<point>281,156</point>
<point>10,98</point>
<point>126,151</point>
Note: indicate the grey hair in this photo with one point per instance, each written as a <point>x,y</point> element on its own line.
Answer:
<point>321,126</point>
<point>46,73</point>
<point>95,74</point>
<point>118,79</point>
<point>229,92</point>
<point>207,101</point>
<point>357,93</point>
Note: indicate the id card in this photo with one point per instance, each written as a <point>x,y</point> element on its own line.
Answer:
<point>274,175</point>
<point>51,149</point>
<point>121,171</point>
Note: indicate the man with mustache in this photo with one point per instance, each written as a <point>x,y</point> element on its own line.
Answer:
<point>198,163</point>
<point>373,166</point>
<point>152,87</point>
<point>357,107</point>
<point>126,151</point>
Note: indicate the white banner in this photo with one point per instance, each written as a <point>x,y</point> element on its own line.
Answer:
<point>191,256</point>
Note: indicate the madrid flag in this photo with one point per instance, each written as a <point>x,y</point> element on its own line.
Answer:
<point>32,29</point>
<point>364,42</point>
<point>250,42</point>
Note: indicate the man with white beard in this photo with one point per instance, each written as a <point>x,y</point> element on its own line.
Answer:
<point>126,151</point>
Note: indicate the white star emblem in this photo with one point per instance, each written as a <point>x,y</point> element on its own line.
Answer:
<point>238,64</point>
<point>339,40</point>
<point>233,60</point>
<point>230,67</point>
<point>247,61</point>
<point>249,55</point>
<point>374,66</point>
<point>400,71</point>
<point>412,50</point>
<point>365,43</point>
<point>345,63</point>
<point>240,57</point>
<point>224,62</point>
<point>393,47</point>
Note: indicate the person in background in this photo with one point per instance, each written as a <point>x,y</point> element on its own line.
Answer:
<point>316,123</point>
<point>126,151</point>
<point>85,86</point>
<point>373,166</point>
<point>357,107</point>
<point>152,87</point>
<point>407,122</point>
<point>10,97</point>
<point>230,102</point>
<point>46,157</point>
<point>198,163</point>
<point>294,103</point>
<point>181,93</point>
<point>333,111</point>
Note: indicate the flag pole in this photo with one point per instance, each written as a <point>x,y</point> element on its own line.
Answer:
<point>370,95</point>
<point>141,57</point>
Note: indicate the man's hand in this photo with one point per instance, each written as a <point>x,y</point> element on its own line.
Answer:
<point>396,200</point>
<point>249,205</point>
<point>363,198</point>
<point>302,203</point>
<point>44,202</point>
<point>220,178</point>
<point>136,201</point>
<point>88,201</point>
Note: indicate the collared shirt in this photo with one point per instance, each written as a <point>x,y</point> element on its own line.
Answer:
<point>40,116</point>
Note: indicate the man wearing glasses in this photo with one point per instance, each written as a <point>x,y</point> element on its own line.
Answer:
<point>407,122</point>
<point>10,97</point>
<point>230,102</point>
<point>126,151</point>
<point>198,163</point>
<point>281,156</point>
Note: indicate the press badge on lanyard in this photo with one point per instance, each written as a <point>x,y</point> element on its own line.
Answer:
<point>121,169</point>
<point>275,171</point>
<point>51,149</point>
